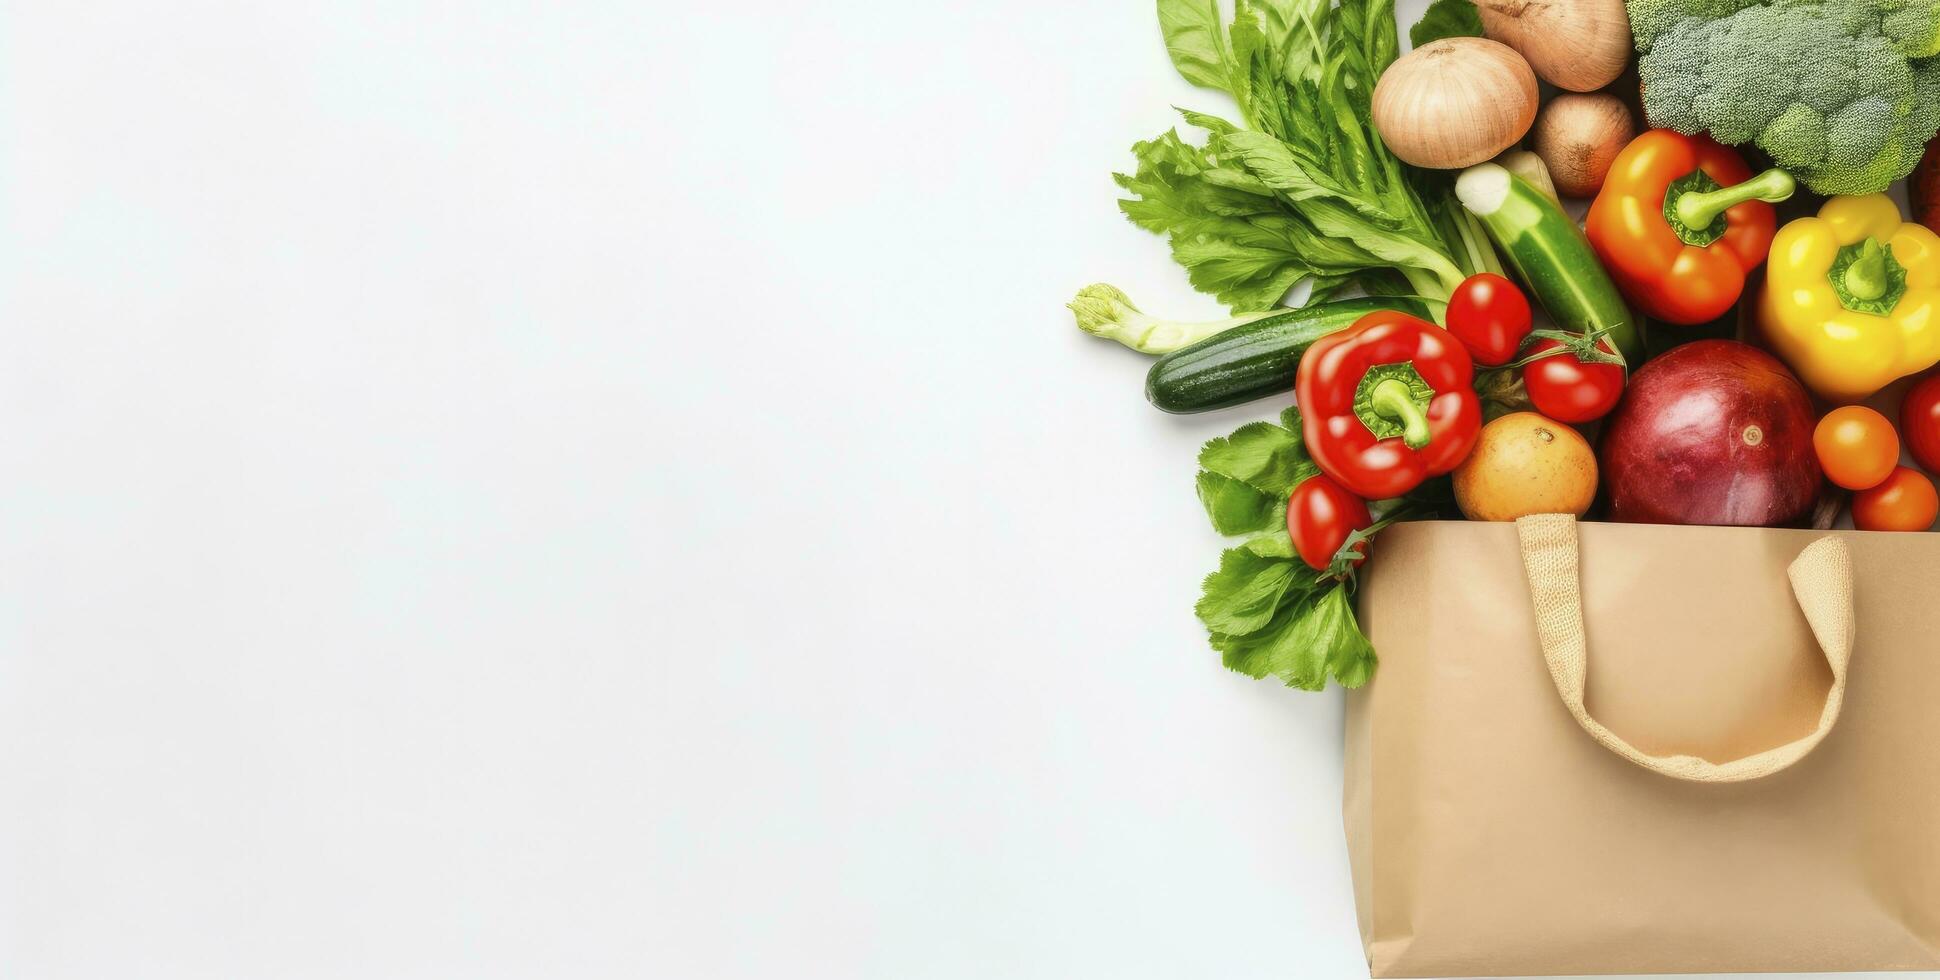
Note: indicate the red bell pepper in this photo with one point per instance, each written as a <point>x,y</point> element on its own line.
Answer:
<point>1681,221</point>
<point>1387,403</point>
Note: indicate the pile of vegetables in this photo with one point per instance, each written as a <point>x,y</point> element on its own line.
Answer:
<point>1423,380</point>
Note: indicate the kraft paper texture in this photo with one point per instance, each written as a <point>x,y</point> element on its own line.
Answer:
<point>1778,808</point>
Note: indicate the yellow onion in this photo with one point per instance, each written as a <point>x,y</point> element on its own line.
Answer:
<point>1455,102</point>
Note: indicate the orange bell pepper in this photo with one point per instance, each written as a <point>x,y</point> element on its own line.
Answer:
<point>1681,221</point>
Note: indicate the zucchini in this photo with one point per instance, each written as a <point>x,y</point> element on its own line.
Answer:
<point>1257,359</point>
<point>1550,255</point>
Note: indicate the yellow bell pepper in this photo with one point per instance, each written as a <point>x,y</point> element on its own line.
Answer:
<point>1852,297</point>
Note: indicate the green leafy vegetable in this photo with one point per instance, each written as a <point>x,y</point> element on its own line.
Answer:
<point>1245,593</point>
<point>1277,650</point>
<point>1300,186</point>
<point>1272,459</point>
<point>1195,40</point>
<point>1308,640</point>
<point>1268,612</point>
<point>1234,507</point>
<point>1331,626</point>
<point>1446,18</point>
<point>1273,543</point>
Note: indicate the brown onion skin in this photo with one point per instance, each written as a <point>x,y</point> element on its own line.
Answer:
<point>1680,448</point>
<point>1455,102</point>
<point>1579,45</point>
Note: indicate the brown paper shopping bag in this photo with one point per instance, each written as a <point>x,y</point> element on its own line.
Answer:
<point>1605,748</point>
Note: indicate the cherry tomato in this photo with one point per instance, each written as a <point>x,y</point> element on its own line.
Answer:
<point>1564,388</point>
<point>1920,421</point>
<point>1490,316</point>
<point>1320,516</point>
<point>1905,501</point>
<point>1857,447</point>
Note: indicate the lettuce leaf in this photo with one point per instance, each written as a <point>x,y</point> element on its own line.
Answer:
<point>1243,595</point>
<point>1196,41</point>
<point>1271,459</point>
<point>1305,643</point>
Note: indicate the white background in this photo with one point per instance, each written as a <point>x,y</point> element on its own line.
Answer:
<point>611,490</point>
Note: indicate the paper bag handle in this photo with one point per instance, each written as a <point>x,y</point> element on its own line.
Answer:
<point>1821,582</point>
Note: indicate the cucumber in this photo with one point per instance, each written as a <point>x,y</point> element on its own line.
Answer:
<point>1257,359</point>
<point>1550,255</point>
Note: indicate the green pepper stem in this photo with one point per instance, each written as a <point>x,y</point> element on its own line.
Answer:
<point>1697,209</point>
<point>1392,399</point>
<point>1866,276</point>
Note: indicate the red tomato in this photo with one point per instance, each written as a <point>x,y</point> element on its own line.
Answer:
<point>1320,516</point>
<point>1920,421</point>
<point>1906,501</point>
<point>1568,390</point>
<point>1857,447</point>
<point>1490,316</point>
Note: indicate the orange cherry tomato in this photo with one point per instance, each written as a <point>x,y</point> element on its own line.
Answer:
<point>1906,501</point>
<point>1857,447</point>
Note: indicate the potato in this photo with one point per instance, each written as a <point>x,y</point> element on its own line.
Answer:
<point>1525,464</point>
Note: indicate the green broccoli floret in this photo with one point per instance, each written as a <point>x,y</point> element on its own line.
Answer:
<point>1912,25</point>
<point>1651,19</point>
<point>1842,93</point>
<point>1926,95</point>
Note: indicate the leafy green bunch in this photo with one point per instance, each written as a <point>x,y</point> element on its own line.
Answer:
<point>1300,185</point>
<point>1844,94</point>
<point>1269,612</point>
